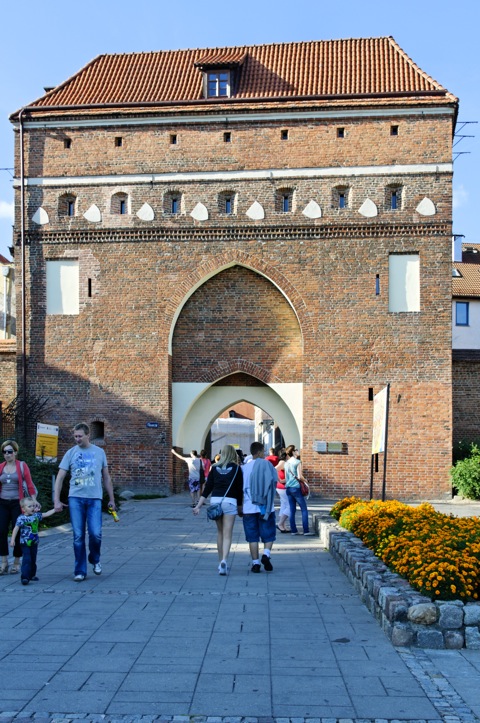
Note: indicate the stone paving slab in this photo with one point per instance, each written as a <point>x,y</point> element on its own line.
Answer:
<point>160,636</point>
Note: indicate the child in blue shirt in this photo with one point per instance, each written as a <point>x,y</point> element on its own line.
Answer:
<point>27,524</point>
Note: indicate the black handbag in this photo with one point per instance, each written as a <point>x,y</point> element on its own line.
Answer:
<point>214,512</point>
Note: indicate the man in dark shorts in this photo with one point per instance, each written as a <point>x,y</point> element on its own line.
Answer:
<point>259,484</point>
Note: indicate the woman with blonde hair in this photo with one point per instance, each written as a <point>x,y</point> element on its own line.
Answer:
<point>225,484</point>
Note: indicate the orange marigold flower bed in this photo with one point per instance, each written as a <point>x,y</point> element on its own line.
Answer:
<point>438,554</point>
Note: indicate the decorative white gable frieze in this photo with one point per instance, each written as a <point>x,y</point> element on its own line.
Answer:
<point>426,207</point>
<point>256,212</point>
<point>312,210</point>
<point>146,213</point>
<point>200,212</point>
<point>40,217</point>
<point>368,209</point>
<point>93,214</point>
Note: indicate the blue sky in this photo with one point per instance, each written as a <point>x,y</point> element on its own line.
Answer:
<point>44,43</point>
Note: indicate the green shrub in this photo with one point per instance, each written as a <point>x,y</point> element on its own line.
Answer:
<point>466,474</point>
<point>463,449</point>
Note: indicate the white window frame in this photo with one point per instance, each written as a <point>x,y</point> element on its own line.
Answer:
<point>214,77</point>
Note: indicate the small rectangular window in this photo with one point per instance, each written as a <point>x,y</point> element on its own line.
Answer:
<point>227,137</point>
<point>67,142</point>
<point>173,139</point>
<point>174,205</point>
<point>118,141</point>
<point>341,200</point>
<point>340,132</point>
<point>89,288</point>
<point>286,203</point>
<point>394,130</point>
<point>70,208</point>
<point>228,204</point>
<point>461,313</point>
<point>394,200</point>
<point>123,207</point>
<point>284,135</point>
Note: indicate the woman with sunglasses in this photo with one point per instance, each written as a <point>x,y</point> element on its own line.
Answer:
<point>13,474</point>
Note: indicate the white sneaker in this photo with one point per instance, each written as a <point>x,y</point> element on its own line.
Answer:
<point>97,568</point>
<point>222,568</point>
<point>79,578</point>
<point>308,534</point>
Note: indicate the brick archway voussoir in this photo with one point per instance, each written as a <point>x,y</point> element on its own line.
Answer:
<point>225,368</point>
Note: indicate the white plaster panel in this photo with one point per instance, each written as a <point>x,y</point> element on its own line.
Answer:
<point>195,406</point>
<point>62,286</point>
<point>426,207</point>
<point>93,214</point>
<point>403,282</point>
<point>312,210</point>
<point>368,209</point>
<point>256,212</point>
<point>40,217</point>
<point>200,212</point>
<point>146,213</point>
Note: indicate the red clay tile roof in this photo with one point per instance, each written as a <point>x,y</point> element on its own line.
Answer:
<point>468,284</point>
<point>364,67</point>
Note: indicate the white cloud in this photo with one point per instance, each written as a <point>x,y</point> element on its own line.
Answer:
<point>6,210</point>
<point>460,196</point>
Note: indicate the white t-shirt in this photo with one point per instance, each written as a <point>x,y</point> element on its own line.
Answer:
<point>248,507</point>
<point>85,465</point>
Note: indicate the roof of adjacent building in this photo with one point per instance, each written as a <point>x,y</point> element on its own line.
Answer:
<point>372,68</point>
<point>468,284</point>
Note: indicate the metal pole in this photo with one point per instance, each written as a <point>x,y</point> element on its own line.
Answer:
<point>23,285</point>
<point>384,482</point>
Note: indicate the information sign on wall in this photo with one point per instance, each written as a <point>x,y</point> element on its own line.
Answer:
<point>46,447</point>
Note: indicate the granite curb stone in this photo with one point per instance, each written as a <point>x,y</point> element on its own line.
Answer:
<point>407,617</point>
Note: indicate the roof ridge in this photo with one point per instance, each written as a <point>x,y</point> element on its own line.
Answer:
<point>237,47</point>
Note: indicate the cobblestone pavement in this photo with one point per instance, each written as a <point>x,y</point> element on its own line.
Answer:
<point>160,636</point>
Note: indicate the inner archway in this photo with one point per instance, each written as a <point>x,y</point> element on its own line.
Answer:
<point>196,411</point>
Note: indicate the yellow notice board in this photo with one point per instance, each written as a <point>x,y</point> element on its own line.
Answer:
<point>46,447</point>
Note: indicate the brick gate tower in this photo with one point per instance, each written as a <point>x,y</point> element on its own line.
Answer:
<point>268,224</point>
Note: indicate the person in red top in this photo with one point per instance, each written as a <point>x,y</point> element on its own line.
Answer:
<point>206,464</point>
<point>284,513</point>
<point>272,457</point>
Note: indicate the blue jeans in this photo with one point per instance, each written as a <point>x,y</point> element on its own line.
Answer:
<point>85,513</point>
<point>29,561</point>
<point>294,495</point>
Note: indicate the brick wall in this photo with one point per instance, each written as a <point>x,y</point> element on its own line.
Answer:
<point>8,371</point>
<point>294,297</point>
<point>466,397</point>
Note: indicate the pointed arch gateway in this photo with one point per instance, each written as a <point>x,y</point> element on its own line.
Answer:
<point>235,337</point>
